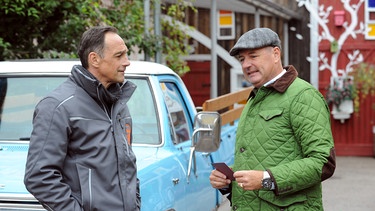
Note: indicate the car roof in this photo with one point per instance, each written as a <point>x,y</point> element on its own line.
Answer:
<point>65,66</point>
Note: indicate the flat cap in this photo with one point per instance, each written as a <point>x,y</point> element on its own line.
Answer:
<point>256,38</point>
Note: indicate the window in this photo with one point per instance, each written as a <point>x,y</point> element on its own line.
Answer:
<point>18,97</point>
<point>370,19</point>
<point>225,25</point>
<point>177,112</point>
<point>143,112</point>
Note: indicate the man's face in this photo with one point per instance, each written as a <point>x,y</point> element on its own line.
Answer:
<point>260,65</point>
<point>111,68</point>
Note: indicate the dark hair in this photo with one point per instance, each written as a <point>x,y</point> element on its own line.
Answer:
<point>92,40</point>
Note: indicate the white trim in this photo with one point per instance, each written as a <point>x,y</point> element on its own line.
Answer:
<point>236,70</point>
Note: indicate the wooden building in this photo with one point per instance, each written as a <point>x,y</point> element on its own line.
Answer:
<point>283,16</point>
<point>354,136</point>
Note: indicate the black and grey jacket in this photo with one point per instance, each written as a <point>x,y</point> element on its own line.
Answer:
<point>79,156</point>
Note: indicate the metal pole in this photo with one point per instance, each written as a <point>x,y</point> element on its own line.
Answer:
<point>213,49</point>
<point>286,47</point>
<point>314,44</point>
<point>257,17</point>
<point>147,23</point>
<point>158,30</point>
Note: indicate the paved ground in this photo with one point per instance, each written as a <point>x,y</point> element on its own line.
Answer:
<point>352,187</point>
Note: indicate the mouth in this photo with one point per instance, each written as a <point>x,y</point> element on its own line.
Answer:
<point>250,73</point>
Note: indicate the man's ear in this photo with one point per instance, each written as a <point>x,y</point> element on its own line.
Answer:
<point>277,53</point>
<point>94,59</point>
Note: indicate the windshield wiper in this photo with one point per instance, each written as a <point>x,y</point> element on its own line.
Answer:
<point>25,139</point>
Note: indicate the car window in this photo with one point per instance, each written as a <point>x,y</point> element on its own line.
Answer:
<point>18,97</point>
<point>143,112</point>
<point>176,111</point>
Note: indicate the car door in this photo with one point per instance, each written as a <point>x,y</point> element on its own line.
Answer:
<point>198,194</point>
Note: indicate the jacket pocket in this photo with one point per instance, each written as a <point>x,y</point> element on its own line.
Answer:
<point>269,114</point>
<point>85,180</point>
<point>282,201</point>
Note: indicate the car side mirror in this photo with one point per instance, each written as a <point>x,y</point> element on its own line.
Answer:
<point>207,130</point>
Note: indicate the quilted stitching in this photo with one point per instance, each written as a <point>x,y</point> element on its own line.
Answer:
<point>261,146</point>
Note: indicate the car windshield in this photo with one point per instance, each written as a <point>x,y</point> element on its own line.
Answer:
<point>19,95</point>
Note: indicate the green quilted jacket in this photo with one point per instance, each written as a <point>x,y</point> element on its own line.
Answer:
<point>285,129</point>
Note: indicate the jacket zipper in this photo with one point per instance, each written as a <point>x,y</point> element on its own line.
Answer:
<point>90,190</point>
<point>105,107</point>
<point>110,119</point>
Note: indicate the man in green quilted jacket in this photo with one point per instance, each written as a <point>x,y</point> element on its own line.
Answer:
<point>284,144</point>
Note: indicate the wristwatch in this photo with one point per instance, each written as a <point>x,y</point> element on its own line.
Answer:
<point>267,183</point>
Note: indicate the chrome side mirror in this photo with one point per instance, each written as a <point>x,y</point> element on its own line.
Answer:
<point>206,137</point>
<point>207,131</point>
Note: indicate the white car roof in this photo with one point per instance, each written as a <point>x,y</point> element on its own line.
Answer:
<point>65,66</point>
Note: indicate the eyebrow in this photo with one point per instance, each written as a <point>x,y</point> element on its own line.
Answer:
<point>120,52</point>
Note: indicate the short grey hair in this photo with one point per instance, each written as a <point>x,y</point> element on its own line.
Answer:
<point>92,40</point>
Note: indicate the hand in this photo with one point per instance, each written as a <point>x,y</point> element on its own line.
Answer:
<point>219,180</point>
<point>249,180</point>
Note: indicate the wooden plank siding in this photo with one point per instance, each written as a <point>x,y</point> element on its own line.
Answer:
<point>243,23</point>
<point>229,105</point>
<point>355,136</point>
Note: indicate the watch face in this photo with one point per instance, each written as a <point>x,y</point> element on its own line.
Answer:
<point>267,183</point>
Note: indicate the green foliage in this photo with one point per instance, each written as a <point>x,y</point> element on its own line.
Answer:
<point>33,26</point>
<point>52,29</point>
<point>175,42</point>
<point>364,75</point>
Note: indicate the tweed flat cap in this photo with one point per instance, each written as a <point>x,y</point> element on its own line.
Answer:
<point>256,38</point>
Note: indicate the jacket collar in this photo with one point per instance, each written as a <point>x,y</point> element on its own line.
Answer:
<point>94,88</point>
<point>284,81</point>
<point>281,84</point>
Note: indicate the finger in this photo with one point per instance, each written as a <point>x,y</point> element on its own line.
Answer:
<point>239,174</point>
<point>219,183</point>
<point>218,174</point>
<point>217,177</point>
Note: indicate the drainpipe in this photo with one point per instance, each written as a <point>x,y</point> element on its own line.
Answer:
<point>314,45</point>
<point>257,17</point>
<point>213,49</point>
<point>157,23</point>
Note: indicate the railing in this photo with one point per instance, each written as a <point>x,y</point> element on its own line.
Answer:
<point>229,105</point>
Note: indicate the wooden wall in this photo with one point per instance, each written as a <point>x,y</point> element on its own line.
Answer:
<point>245,22</point>
<point>353,137</point>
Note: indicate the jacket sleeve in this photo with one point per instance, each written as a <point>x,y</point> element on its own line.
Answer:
<point>47,151</point>
<point>310,122</point>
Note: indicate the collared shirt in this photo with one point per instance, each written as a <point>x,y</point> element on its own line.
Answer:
<point>275,78</point>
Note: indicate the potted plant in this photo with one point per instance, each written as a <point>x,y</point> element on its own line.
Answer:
<point>341,94</point>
